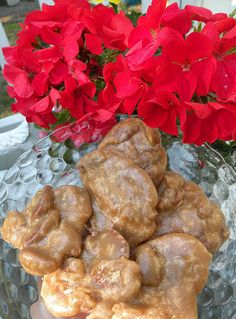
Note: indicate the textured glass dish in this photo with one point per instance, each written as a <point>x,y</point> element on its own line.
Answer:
<point>54,164</point>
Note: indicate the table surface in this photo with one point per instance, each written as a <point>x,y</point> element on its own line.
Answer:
<point>9,158</point>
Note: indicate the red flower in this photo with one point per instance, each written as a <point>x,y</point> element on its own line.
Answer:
<point>176,19</point>
<point>115,35</point>
<point>35,110</point>
<point>146,38</point>
<point>127,85</point>
<point>223,80</point>
<point>143,45</point>
<point>114,29</point>
<point>93,43</point>
<point>199,13</point>
<point>207,122</point>
<point>191,63</point>
<point>68,57</point>
<point>77,95</point>
<point>160,109</point>
<point>40,84</point>
<point>20,80</point>
<point>152,19</point>
<point>225,25</point>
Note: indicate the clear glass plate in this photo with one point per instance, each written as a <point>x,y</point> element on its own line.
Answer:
<point>53,163</point>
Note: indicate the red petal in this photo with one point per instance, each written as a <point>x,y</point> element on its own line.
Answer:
<point>40,84</point>
<point>158,109</point>
<point>199,46</point>
<point>103,115</point>
<point>41,106</point>
<point>176,19</point>
<point>11,92</point>
<point>22,86</point>
<point>199,13</point>
<point>168,34</point>
<point>54,95</point>
<point>125,84</point>
<point>74,28</point>
<point>229,40</point>
<point>212,33</point>
<point>123,26</point>
<point>218,16</point>
<point>170,125</point>
<point>141,52</point>
<point>78,65</point>
<point>186,85</point>
<point>204,70</point>
<point>191,127</point>
<point>93,43</point>
<point>223,80</point>
<point>50,37</point>
<point>11,54</point>
<point>59,73</point>
<point>202,111</point>
<point>51,54</point>
<point>138,34</point>
<point>153,16</point>
<point>225,25</point>
<point>130,103</point>
<point>11,72</point>
<point>70,85</point>
<point>70,48</point>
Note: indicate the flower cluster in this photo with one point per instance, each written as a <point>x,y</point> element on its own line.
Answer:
<point>55,67</point>
<point>180,69</point>
<point>175,68</point>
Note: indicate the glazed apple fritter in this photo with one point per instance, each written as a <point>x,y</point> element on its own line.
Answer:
<point>181,275</point>
<point>108,244</point>
<point>135,140</point>
<point>123,192</point>
<point>151,235</point>
<point>184,208</point>
<point>74,206</point>
<point>67,292</point>
<point>49,228</point>
<point>93,284</point>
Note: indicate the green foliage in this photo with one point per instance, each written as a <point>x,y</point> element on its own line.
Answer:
<point>233,13</point>
<point>226,149</point>
<point>5,100</point>
<point>11,30</point>
<point>63,116</point>
<point>100,84</point>
<point>133,15</point>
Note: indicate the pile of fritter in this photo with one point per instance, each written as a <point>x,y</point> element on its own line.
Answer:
<point>134,243</point>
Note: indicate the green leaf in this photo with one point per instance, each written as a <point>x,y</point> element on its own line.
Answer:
<point>62,117</point>
<point>233,13</point>
<point>133,15</point>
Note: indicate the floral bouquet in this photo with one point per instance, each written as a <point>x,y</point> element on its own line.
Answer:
<point>174,68</point>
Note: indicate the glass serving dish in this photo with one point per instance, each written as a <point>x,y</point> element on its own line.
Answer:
<point>53,163</point>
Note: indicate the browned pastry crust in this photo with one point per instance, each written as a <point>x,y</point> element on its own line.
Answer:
<point>183,272</point>
<point>184,208</point>
<point>74,206</point>
<point>133,139</point>
<point>95,277</point>
<point>94,284</point>
<point>49,228</point>
<point>111,288</point>
<point>123,192</point>
<point>108,244</point>
<point>128,311</point>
